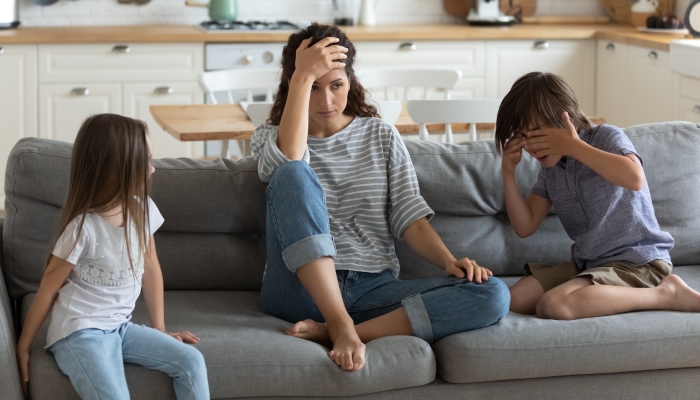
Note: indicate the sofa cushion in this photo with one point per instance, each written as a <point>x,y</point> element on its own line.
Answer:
<point>248,354</point>
<point>521,347</point>
<point>462,183</point>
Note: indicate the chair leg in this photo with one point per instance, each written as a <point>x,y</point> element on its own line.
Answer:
<point>423,132</point>
<point>224,149</point>
<point>472,131</point>
<point>448,133</point>
<point>244,145</point>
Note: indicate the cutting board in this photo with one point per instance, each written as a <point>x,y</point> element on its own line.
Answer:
<point>528,7</point>
<point>457,8</point>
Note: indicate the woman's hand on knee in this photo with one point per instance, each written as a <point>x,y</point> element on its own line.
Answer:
<point>320,58</point>
<point>466,268</point>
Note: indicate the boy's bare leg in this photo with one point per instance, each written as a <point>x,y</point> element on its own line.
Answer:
<point>525,294</point>
<point>320,279</point>
<point>580,298</point>
<point>390,324</point>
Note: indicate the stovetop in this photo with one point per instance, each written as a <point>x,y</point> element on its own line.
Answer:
<point>249,26</point>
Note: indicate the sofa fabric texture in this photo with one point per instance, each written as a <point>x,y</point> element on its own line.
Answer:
<point>212,252</point>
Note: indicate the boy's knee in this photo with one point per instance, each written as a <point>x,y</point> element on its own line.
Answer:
<point>554,307</point>
<point>500,298</point>
<point>193,360</point>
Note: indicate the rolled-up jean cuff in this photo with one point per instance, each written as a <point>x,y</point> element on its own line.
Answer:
<point>418,315</point>
<point>308,249</point>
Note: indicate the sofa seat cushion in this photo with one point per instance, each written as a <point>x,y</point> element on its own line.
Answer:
<point>247,354</point>
<point>521,347</point>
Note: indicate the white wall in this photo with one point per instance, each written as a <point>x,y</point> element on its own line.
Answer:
<point>109,12</point>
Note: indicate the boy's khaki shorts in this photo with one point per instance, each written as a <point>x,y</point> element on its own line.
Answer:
<point>614,274</point>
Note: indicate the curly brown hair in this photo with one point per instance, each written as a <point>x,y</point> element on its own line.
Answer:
<point>356,106</point>
<point>536,96</point>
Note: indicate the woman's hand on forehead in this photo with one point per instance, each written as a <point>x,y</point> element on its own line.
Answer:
<point>320,58</point>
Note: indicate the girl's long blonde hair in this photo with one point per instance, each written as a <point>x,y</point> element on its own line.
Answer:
<point>110,167</point>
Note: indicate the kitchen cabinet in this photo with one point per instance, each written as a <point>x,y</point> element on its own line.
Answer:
<point>653,92</point>
<point>18,111</point>
<point>611,82</point>
<point>139,96</point>
<point>64,107</point>
<point>466,56</point>
<point>78,80</point>
<point>573,60</point>
<point>635,85</point>
<point>690,99</point>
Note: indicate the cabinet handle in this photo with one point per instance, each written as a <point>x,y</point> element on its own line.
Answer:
<point>408,46</point>
<point>80,91</point>
<point>164,90</point>
<point>541,44</point>
<point>120,48</point>
<point>610,47</point>
<point>653,55</point>
<point>2,51</point>
<point>696,109</point>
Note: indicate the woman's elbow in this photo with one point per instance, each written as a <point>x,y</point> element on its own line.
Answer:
<point>636,182</point>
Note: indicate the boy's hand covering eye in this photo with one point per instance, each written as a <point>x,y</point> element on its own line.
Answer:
<point>513,153</point>
<point>548,141</point>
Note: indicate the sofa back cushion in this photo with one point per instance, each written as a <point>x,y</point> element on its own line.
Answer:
<point>214,231</point>
<point>212,238</point>
<point>463,185</point>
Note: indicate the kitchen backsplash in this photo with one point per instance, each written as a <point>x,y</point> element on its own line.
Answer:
<point>110,12</point>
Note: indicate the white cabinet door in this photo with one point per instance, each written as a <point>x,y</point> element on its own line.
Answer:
<point>573,60</point>
<point>653,93</point>
<point>63,108</point>
<point>137,62</point>
<point>18,86</point>
<point>611,83</point>
<point>139,96</point>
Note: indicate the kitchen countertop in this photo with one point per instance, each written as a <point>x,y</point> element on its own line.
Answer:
<point>188,33</point>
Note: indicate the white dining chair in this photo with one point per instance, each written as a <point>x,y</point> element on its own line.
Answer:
<point>258,112</point>
<point>378,79</point>
<point>452,111</point>
<point>231,82</point>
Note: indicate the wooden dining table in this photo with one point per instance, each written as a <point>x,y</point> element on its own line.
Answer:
<point>197,122</point>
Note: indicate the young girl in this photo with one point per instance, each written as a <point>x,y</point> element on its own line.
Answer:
<point>102,255</point>
<point>594,178</point>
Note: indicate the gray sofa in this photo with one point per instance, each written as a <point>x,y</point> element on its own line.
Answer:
<point>212,250</point>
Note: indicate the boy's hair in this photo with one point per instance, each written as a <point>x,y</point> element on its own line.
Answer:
<point>109,166</point>
<point>537,98</point>
<point>357,105</point>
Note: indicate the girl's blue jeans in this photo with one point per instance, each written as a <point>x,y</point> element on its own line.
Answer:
<point>298,232</point>
<point>94,361</point>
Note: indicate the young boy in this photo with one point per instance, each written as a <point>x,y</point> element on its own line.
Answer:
<point>594,179</point>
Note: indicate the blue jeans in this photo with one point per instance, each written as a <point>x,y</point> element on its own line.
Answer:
<point>94,361</point>
<point>298,232</point>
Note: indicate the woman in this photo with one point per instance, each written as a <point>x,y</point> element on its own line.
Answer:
<point>341,183</point>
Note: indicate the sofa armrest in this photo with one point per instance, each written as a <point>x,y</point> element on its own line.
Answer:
<point>9,374</point>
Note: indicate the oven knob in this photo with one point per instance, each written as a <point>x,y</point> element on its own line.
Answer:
<point>268,57</point>
<point>247,59</point>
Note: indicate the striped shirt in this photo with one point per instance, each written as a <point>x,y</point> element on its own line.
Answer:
<point>370,185</point>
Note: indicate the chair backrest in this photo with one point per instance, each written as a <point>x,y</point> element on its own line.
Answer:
<point>382,78</point>
<point>452,111</point>
<point>258,112</point>
<point>230,80</point>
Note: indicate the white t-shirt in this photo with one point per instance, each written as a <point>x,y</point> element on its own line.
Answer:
<point>101,290</point>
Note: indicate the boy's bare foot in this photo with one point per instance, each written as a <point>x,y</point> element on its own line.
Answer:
<point>311,330</point>
<point>682,296</point>
<point>348,350</point>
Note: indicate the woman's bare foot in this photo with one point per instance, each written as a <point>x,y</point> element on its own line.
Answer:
<point>311,330</point>
<point>681,296</point>
<point>348,350</point>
